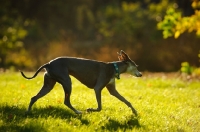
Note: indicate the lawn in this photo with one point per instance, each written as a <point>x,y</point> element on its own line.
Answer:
<point>164,103</point>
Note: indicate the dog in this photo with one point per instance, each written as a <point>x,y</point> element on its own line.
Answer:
<point>94,74</point>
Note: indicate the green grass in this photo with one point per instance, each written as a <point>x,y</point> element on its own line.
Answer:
<point>164,105</point>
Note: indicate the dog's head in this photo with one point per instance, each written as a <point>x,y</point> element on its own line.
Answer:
<point>132,67</point>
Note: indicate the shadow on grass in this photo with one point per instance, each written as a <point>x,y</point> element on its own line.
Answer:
<point>130,123</point>
<point>14,118</point>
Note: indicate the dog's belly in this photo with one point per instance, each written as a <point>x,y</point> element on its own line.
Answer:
<point>87,81</point>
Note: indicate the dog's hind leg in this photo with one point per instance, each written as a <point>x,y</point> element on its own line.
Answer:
<point>67,86</point>
<point>46,88</point>
<point>112,90</point>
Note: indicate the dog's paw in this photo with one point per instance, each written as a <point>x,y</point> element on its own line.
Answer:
<point>93,110</point>
<point>90,110</point>
<point>78,112</point>
<point>134,112</point>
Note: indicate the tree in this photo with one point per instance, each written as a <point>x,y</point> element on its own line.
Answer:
<point>11,33</point>
<point>174,24</point>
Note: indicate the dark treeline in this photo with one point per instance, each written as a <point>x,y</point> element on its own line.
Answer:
<point>33,32</point>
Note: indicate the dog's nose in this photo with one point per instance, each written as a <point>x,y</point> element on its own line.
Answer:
<point>140,74</point>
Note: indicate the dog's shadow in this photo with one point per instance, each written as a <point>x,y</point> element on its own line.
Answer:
<point>130,123</point>
<point>11,117</point>
<point>15,118</point>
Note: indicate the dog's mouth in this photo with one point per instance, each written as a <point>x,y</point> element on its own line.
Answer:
<point>139,74</point>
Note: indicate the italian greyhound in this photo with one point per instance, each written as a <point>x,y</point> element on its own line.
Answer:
<point>94,74</point>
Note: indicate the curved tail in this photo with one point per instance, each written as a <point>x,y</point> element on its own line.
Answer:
<point>44,66</point>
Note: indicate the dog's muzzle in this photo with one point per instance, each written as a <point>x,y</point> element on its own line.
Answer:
<point>139,74</point>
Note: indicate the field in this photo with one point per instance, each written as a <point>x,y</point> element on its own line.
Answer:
<point>164,103</point>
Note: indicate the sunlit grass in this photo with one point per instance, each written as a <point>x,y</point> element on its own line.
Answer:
<point>163,104</point>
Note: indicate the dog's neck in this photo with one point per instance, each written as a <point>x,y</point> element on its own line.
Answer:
<point>122,66</point>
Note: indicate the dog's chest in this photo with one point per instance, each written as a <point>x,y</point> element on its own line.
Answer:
<point>112,80</point>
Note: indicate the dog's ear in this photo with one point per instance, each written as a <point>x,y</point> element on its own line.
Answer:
<point>120,56</point>
<point>124,55</point>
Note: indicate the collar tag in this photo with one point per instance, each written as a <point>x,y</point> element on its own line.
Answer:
<point>117,75</point>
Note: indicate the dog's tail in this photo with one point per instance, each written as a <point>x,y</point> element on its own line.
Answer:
<point>44,66</point>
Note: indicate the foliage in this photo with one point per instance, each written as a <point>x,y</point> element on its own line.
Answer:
<point>121,21</point>
<point>10,41</point>
<point>12,33</point>
<point>164,104</point>
<point>186,68</point>
<point>89,29</point>
<point>174,24</point>
<point>128,22</point>
<point>190,70</point>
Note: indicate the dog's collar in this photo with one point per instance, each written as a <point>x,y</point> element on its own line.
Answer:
<point>117,75</point>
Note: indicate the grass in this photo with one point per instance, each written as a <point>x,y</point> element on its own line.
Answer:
<point>164,104</point>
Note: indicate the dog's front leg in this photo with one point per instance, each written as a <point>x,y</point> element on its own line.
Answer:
<point>112,90</point>
<point>98,98</point>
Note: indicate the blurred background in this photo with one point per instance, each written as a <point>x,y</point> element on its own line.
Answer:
<point>159,35</point>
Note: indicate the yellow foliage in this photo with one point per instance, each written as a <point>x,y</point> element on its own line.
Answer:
<point>176,24</point>
<point>196,4</point>
<point>177,34</point>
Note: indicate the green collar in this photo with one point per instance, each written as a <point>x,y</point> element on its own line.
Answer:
<point>117,75</point>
